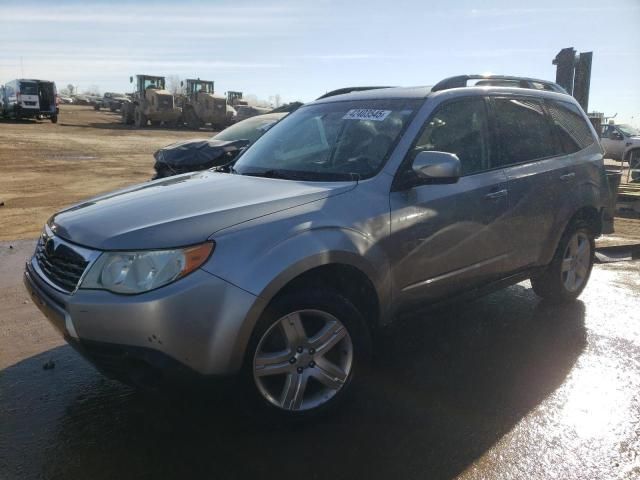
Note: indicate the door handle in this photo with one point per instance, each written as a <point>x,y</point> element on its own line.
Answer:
<point>567,176</point>
<point>496,194</point>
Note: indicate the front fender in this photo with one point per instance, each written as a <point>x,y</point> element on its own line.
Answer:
<point>264,272</point>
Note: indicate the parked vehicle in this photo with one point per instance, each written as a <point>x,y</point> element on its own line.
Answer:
<point>30,98</point>
<point>217,151</point>
<point>201,106</point>
<point>346,214</point>
<point>111,101</point>
<point>151,102</point>
<point>63,99</point>
<point>86,99</point>
<point>247,111</point>
<point>621,142</point>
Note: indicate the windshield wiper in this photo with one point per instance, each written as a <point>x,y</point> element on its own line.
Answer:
<point>304,176</point>
<point>275,173</point>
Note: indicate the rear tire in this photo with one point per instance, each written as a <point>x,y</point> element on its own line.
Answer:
<point>192,120</point>
<point>568,273</point>
<point>304,354</point>
<point>54,119</point>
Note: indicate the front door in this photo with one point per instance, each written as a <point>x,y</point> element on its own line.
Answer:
<point>613,142</point>
<point>446,238</point>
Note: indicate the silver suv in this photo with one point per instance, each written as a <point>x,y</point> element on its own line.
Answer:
<point>347,213</point>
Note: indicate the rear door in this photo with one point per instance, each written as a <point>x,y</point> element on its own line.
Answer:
<point>449,237</point>
<point>533,165</point>
<point>539,143</point>
<point>46,97</point>
<point>580,169</point>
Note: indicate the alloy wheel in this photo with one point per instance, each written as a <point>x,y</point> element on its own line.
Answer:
<point>303,360</point>
<point>575,262</point>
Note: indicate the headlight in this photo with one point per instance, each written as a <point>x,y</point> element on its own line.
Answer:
<point>141,271</point>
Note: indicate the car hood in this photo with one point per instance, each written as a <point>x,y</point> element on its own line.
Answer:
<point>205,152</point>
<point>182,210</point>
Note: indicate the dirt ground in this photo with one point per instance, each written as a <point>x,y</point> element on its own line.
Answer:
<point>45,167</point>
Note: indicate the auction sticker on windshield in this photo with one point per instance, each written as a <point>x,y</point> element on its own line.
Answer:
<point>366,114</point>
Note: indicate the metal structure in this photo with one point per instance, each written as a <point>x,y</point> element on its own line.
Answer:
<point>573,73</point>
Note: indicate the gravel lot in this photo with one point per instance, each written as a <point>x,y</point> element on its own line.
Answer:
<point>45,167</point>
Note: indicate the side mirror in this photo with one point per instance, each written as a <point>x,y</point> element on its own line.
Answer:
<point>437,167</point>
<point>130,79</point>
<point>181,83</point>
<point>616,136</point>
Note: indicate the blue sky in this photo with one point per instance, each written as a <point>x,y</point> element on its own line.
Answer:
<point>301,49</point>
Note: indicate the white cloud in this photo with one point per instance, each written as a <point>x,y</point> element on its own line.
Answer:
<point>136,14</point>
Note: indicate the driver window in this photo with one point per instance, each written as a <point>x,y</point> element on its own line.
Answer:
<point>458,127</point>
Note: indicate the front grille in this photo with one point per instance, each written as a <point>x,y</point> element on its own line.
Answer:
<point>165,102</point>
<point>60,263</point>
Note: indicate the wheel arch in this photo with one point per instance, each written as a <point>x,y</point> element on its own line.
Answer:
<point>344,278</point>
<point>626,157</point>
<point>353,281</point>
<point>588,214</point>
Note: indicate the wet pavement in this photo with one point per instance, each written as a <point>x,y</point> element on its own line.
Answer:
<point>502,387</point>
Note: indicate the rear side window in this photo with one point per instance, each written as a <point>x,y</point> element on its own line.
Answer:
<point>569,126</point>
<point>522,129</point>
<point>458,127</point>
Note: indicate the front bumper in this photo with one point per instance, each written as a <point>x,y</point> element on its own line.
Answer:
<point>201,323</point>
<point>28,112</point>
<point>169,115</point>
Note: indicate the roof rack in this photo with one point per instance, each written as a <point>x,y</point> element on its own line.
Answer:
<point>498,81</point>
<point>342,91</point>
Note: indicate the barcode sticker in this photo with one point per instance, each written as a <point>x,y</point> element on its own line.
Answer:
<point>366,114</point>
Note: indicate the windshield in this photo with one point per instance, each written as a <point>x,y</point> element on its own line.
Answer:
<point>28,89</point>
<point>250,129</point>
<point>330,140</point>
<point>628,130</point>
<point>153,83</point>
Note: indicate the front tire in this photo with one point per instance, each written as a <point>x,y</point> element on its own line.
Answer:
<point>54,119</point>
<point>568,273</point>
<point>304,353</point>
<point>140,118</point>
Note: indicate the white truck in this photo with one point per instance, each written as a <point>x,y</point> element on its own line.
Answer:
<point>29,98</point>
<point>622,142</point>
